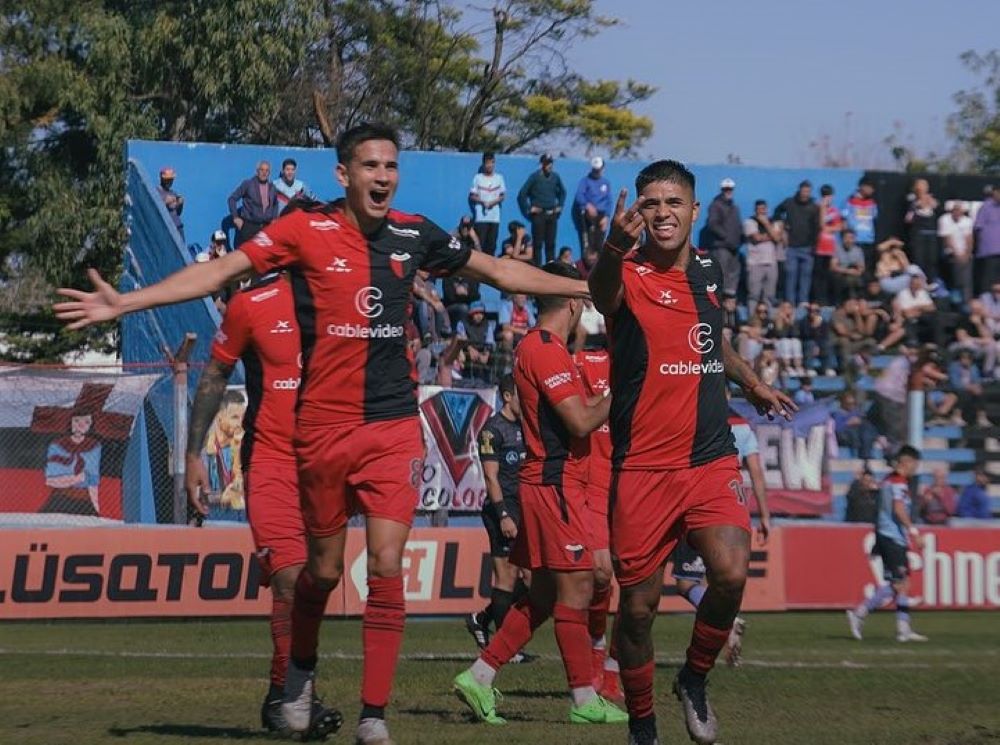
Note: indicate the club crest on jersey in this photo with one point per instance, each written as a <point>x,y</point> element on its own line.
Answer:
<point>400,263</point>
<point>712,297</point>
<point>575,550</point>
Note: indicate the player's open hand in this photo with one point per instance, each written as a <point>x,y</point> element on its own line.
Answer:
<point>763,530</point>
<point>770,402</point>
<point>85,308</point>
<point>509,528</point>
<point>196,483</point>
<point>627,225</point>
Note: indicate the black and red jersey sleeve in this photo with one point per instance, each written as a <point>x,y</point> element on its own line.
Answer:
<point>276,246</point>
<point>233,336</point>
<point>443,253</point>
<point>552,370</point>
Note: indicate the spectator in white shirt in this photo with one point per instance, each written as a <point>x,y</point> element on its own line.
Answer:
<point>955,231</point>
<point>916,310</point>
<point>487,194</point>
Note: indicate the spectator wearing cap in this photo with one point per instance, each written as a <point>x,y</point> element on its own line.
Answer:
<point>541,200</point>
<point>173,201</point>
<point>860,214</point>
<point>219,245</point>
<point>862,498</point>
<point>954,228</point>
<point>725,228</point>
<point>893,266</point>
<point>518,245</point>
<point>287,186</point>
<point>832,224</point>
<point>986,229</point>
<point>486,195</point>
<point>921,219</point>
<point>592,206</point>
<point>258,203</point>
<point>801,217</point>
<point>458,293</point>
<point>478,334</point>
<point>975,500</point>
<point>762,255</point>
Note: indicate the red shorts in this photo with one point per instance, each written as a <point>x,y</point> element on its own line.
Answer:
<point>597,508</point>
<point>272,497</point>
<point>652,510</point>
<point>555,528</point>
<point>368,468</point>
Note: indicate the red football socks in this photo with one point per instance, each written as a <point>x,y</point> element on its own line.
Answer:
<point>307,613</point>
<point>638,686</point>
<point>281,637</point>
<point>518,626</point>
<point>597,618</point>
<point>382,635</point>
<point>706,643</point>
<point>574,644</point>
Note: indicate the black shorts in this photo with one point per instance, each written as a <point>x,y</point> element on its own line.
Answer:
<point>687,563</point>
<point>895,565</point>
<point>500,546</point>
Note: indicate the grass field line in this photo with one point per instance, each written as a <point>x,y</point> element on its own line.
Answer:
<point>465,657</point>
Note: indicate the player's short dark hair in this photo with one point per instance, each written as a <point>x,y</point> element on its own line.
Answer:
<point>545,303</point>
<point>288,162</point>
<point>351,138</point>
<point>507,385</point>
<point>907,451</point>
<point>671,171</point>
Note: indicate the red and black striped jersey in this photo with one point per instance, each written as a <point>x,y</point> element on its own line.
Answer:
<point>669,407</point>
<point>595,371</point>
<point>351,293</point>
<point>545,375</point>
<point>260,328</point>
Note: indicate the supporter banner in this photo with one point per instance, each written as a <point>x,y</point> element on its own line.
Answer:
<point>832,567</point>
<point>63,441</point>
<point>794,456</point>
<point>452,476</point>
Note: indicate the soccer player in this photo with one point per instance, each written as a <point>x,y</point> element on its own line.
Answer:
<point>501,451</point>
<point>894,532</point>
<point>688,566</point>
<point>595,372</point>
<point>674,465</point>
<point>260,328</point>
<point>357,434</point>
<point>554,539</point>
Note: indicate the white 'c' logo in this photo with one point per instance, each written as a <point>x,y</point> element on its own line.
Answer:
<point>366,302</point>
<point>700,338</point>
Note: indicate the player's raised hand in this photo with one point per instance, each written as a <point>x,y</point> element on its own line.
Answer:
<point>770,402</point>
<point>627,225</point>
<point>85,308</point>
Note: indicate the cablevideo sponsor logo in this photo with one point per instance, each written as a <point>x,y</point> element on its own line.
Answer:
<point>715,367</point>
<point>357,331</point>
<point>288,384</point>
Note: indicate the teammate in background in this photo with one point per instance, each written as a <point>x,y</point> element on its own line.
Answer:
<point>501,450</point>
<point>675,473</point>
<point>554,537</point>
<point>272,381</point>
<point>357,434</point>
<point>595,371</point>
<point>688,566</point>
<point>893,534</point>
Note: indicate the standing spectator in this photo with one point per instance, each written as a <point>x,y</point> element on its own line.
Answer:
<point>518,244</point>
<point>847,268</point>
<point>862,498</point>
<point>804,395</point>
<point>487,194</point>
<point>762,255</point>
<point>831,223</point>
<point>860,214</point>
<point>814,332</point>
<point>516,318</point>
<point>921,217</point>
<point>967,383</point>
<point>287,186</point>
<point>173,201</point>
<point>975,500</point>
<point>801,217</point>
<point>851,427</point>
<point>458,293</point>
<point>258,200</point>
<point>726,230</point>
<point>954,228</point>
<point>987,231</point>
<point>592,206</point>
<point>937,499</point>
<point>541,201</point>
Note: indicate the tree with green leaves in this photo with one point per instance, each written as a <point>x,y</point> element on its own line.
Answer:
<point>976,124</point>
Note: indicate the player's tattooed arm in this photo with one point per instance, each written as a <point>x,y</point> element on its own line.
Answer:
<point>765,399</point>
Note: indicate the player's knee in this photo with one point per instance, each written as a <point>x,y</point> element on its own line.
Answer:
<point>386,561</point>
<point>729,579</point>
<point>283,583</point>
<point>637,615</point>
<point>602,577</point>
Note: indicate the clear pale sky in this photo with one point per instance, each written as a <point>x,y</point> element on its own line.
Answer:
<point>763,78</point>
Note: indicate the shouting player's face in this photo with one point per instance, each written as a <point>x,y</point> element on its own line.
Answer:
<point>668,210</point>
<point>370,179</point>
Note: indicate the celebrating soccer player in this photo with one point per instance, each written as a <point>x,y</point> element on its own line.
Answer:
<point>893,533</point>
<point>270,481</point>
<point>357,435</point>
<point>554,540</point>
<point>675,472</point>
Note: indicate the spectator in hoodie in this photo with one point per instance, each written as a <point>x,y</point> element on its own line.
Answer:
<point>725,229</point>
<point>921,219</point>
<point>258,203</point>
<point>802,226</point>
<point>541,200</point>
<point>832,223</point>
<point>987,232</point>
<point>954,228</point>
<point>975,500</point>
<point>860,214</point>
<point>592,206</point>
<point>288,186</point>
<point>762,255</point>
